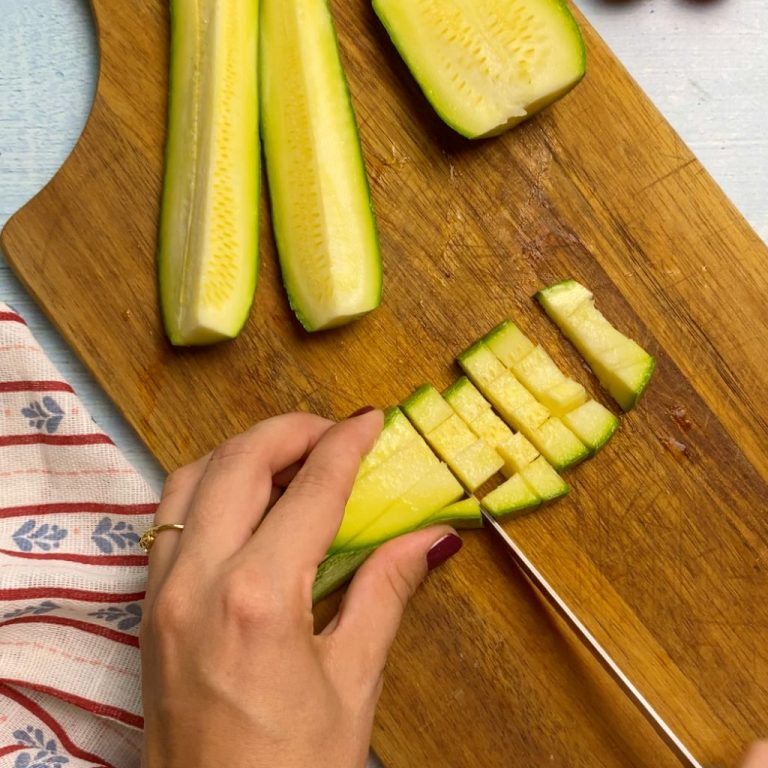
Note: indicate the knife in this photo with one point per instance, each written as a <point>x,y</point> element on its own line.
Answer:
<point>682,753</point>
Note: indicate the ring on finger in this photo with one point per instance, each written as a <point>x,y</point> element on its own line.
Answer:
<point>148,537</point>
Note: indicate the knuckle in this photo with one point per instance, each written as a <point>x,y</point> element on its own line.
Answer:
<point>169,611</point>
<point>249,598</point>
<point>179,480</point>
<point>235,447</point>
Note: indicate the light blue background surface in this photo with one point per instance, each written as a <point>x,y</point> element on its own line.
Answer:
<point>703,63</point>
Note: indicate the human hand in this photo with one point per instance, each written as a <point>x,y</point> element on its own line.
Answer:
<point>757,757</point>
<point>233,673</point>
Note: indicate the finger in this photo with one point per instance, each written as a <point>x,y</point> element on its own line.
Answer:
<point>284,478</point>
<point>235,488</point>
<point>178,491</point>
<point>757,757</point>
<point>300,528</point>
<point>373,607</point>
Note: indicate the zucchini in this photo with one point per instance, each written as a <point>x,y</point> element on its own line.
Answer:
<point>472,460</point>
<point>208,239</point>
<point>486,65</point>
<point>322,213</point>
<point>623,367</point>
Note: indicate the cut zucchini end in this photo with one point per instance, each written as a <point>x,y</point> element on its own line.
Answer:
<point>197,334</point>
<point>593,424</point>
<point>518,452</point>
<point>639,385</point>
<point>485,72</point>
<point>560,299</point>
<point>325,317</point>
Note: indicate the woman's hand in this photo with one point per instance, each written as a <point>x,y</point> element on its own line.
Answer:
<point>232,671</point>
<point>757,757</point>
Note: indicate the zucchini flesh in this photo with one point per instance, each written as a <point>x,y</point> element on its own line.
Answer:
<point>208,243</point>
<point>321,206</point>
<point>486,65</point>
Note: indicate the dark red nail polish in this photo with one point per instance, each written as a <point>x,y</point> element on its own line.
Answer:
<point>443,550</point>
<point>360,411</point>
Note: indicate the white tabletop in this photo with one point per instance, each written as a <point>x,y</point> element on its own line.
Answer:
<point>703,62</point>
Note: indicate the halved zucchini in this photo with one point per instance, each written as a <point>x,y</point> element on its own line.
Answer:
<point>208,240</point>
<point>486,65</point>
<point>321,206</point>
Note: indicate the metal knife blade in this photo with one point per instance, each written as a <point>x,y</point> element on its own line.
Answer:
<point>682,753</point>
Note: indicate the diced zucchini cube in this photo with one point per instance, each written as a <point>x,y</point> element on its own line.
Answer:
<point>558,444</point>
<point>564,397</point>
<point>476,464</point>
<point>491,428</point>
<point>395,435</point>
<point>427,409</point>
<point>451,437</point>
<point>537,370</point>
<point>518,452</point>
<point>466,400</point>
<point>508,343</point>
<point>543,480</point>
<point>512,497</point>
<point>480,364</point>
<point>530,416</point>
<point>508,395</point>
<point>592,423</point>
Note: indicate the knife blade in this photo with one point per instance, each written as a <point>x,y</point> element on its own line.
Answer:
<point>679,749</point>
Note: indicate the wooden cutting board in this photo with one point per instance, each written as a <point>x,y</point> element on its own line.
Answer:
<point>660,547</point>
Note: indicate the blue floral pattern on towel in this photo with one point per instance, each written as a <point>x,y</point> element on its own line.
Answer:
<point>46,415</point>
<point>42,753</point>
<point>33,610</point>
<point>127,617</point>
<point>45,537</point>
<point>108,536</point>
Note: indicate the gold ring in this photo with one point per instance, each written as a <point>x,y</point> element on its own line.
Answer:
<point>148,537</point>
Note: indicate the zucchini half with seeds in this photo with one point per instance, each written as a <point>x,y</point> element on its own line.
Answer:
<point>321,206</point>
<point>208,243</point>
<point>487,65</point>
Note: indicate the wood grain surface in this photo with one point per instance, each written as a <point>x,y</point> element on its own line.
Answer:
<point>660,547</point>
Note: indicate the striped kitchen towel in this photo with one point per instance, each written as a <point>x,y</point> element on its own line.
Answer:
<point>71,573</point>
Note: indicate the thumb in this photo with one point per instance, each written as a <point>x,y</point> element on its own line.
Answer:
<point>757,757</point>
<point>373,607</point>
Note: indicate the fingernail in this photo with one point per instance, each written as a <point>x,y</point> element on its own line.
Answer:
<point>442,550</point>
<point>360,411</point>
